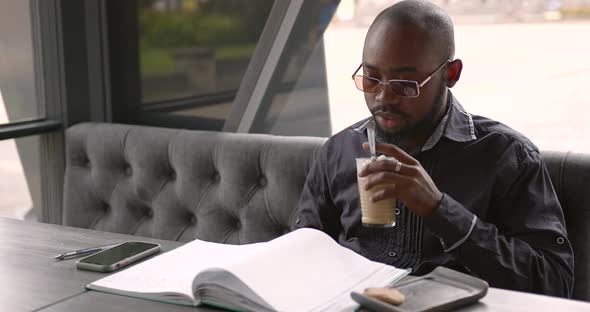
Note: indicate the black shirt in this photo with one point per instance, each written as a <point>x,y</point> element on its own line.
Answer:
<point>499,218</point>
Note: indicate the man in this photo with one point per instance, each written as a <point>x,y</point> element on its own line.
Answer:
<point>473,194</point>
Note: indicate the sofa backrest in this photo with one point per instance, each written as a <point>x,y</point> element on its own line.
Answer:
<point>180,185</point>
<point>570,175</point>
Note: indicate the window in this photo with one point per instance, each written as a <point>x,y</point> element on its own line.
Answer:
<point>17,76</point>
<point>27,137</point>
<point>195,53</point>
<point>19,186</point>
<point>295,99</point>
<point>17,104</point>
<point>528,72</point>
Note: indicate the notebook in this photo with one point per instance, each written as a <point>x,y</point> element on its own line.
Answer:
<point>304,270</point>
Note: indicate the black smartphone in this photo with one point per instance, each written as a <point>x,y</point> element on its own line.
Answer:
<point>118,256</point>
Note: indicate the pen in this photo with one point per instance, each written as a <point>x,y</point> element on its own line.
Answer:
<point>83,252</point>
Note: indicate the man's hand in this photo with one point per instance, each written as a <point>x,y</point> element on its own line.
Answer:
<point>407,181</point>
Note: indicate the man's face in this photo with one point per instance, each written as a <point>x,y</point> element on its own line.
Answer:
<point>398,52</point>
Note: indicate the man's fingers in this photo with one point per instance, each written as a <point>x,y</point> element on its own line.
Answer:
<point>388,166</point>
<point>396,152</point>
<point>392,151</point>
<point>384,166</point>
<point>386,178</point>
<point>386,192</point>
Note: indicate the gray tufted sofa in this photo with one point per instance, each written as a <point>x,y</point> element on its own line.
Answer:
<point>233,188</point>
<point>181,185</point>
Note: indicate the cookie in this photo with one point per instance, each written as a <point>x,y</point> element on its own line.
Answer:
<point>389,295</point>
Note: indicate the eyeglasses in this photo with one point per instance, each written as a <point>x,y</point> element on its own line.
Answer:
<point>400,87</point>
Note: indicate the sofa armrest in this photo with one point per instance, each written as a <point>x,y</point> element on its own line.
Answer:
<point>570,175</point>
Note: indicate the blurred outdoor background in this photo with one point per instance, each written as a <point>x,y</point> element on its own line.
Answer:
<point>526,64</point>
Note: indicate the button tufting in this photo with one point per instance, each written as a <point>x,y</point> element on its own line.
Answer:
<point>193,219</point>
<point>397,211</point>
<point>238,224</point>
<point>128,170</point>
<point>149,213</point>
<point>297,221</point>
<point>262,181</point>
<point>392,254</point>
<point>216,177</point>
<point>106,207</point>
<point>172,175</point>
<point>560,240</point>
<point>86,162</point>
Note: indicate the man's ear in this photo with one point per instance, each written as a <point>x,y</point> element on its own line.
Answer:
<point>454,72</point>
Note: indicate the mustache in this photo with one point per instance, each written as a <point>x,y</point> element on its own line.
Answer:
<point>386,109</point>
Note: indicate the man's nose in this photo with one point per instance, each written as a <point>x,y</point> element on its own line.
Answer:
<point>386,95</point>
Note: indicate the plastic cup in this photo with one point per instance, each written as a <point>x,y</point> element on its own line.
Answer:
<point>379,214</point>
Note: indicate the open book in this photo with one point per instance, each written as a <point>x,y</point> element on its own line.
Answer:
<point>304,270</point>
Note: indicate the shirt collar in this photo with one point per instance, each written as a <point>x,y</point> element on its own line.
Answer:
<point>456,125</point>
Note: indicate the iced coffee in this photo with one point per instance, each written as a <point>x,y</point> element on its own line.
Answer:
<point>374,214</point>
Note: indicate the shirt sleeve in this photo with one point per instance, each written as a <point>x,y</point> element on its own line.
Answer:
<point>316,209</point>
<point>521,243</point>
<point>452,222</point>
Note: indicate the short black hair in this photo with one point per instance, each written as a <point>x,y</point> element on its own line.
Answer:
<point>424,15</point>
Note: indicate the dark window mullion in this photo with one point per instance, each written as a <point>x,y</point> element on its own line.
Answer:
<point>50,71</point>
<point>21,129</point>
<point>259,60</point>
<point>189,102</point>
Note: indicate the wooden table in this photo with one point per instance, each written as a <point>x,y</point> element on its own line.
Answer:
<point>30,280</point>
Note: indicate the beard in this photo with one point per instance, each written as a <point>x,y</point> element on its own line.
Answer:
<point>413,130</point>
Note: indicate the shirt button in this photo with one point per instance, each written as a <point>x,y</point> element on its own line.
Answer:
<point>392,254</point>
<point>560,240</point>
<point>397,211</point>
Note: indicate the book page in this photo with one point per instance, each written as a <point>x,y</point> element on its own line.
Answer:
<point>306,270</point>
<point>172,272</point>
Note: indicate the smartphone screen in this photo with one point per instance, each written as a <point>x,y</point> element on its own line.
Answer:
<point>118,253</point>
